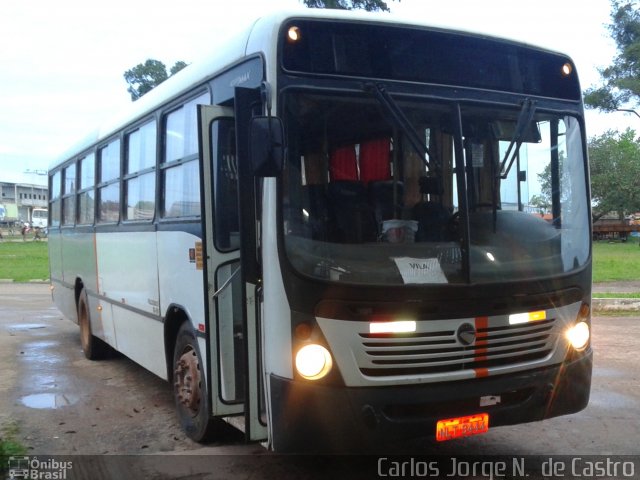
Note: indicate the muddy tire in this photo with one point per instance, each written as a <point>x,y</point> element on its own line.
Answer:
<point>190,387</point>
<point>92,346</point>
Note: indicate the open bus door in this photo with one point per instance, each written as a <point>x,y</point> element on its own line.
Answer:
<point>233,300</point>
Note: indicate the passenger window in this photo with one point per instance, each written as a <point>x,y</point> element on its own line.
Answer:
<point>109,189</point>
<point>140,181</point>
<point>69,195</point>
<point>86,193</point>
<point>56,184</point>
<point>180,171</point>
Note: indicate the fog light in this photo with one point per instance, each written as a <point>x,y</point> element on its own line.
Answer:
<point>578,335</point>
<point>313,361</point>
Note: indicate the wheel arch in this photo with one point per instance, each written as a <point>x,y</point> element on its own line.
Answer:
<point>176,315</point>
<point>78,286</point>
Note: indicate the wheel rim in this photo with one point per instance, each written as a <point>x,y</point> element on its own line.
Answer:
<point>187,380</point>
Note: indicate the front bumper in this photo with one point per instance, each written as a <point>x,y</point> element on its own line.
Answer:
<point>315,418</point>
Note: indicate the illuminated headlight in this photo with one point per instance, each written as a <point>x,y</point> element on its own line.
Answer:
<point>313,361</point>
<point>294,34</point>
<point>578,335</point>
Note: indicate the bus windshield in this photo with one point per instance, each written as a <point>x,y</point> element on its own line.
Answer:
<point>410,191</point>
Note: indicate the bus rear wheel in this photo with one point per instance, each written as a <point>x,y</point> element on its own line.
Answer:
<point>190,387</point>
<point>92,346</point>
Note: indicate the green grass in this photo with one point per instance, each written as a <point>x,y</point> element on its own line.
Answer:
<point>618,261</point>
<point>8,444</point>
<point>24,261</point>
<point>616,295</point>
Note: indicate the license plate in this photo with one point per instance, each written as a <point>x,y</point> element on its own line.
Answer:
<point>462,427</point>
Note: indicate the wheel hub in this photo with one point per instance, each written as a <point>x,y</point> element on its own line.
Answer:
<point>187,380</point>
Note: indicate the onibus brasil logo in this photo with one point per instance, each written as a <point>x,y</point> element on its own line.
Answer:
<point>32,468</point>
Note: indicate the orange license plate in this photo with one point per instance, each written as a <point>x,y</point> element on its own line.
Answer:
<point>462,427</point>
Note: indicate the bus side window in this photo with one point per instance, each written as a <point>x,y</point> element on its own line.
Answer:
<point>86,190</point>
<point>54,199</point>
<point>179,164</point>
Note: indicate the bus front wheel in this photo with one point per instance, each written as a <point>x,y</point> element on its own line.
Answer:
<point>92,346</point>
<point>190,387</point>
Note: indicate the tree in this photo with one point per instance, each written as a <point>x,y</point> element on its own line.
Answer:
<point>621,80</point>
<point>368,5</point>
<point>615,173</point>
<point>541,203</point>
<point>144,77</point>
<point>179,65</point>
<point>544,201</point>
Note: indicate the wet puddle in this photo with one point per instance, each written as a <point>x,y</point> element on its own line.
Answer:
<point>48,400</point>
<point>42,344</point>
<point>26,326</point>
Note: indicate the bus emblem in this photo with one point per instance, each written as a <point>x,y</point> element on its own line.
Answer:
<point>466,334</point>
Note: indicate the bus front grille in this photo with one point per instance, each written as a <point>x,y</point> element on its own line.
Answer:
<point>441,352</point>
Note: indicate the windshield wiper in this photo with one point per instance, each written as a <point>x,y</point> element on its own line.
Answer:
<point>524,120</point>
<point>399,118</point>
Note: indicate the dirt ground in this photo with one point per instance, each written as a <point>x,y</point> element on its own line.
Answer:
<point>63,403</point>
<point>617,287</point>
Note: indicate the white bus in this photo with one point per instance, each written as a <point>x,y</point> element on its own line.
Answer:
<point>39,218</point>
<point>321,234</point>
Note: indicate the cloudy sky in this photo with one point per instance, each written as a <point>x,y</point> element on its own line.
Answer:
<point>61,62</point>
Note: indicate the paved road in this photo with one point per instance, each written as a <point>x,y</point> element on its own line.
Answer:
<point>65,404</point>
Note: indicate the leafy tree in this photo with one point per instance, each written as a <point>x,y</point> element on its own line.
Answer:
<point>615,173</point>
<point>621,80</point>
<point>146,76</point>
<point>544,202</point>
<point>179,65</point>
<point>541,203</point>
<point>368,5</point>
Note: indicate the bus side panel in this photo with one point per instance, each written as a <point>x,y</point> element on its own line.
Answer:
<point>141,338</point>
<point>128,269</point>
<point>63,295</point>
<point>102,323</point>
<point>79,259</point>
<point>180,277</point>
<point>277,313</point>
<point>55,255</point>
<point>128,278</point>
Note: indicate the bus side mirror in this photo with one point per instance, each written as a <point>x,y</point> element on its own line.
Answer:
<point>266,146</point>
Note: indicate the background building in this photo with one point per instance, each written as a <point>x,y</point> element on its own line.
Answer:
<point>20,194</point>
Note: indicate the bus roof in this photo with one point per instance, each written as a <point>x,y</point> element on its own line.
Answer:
<point>258,36</point>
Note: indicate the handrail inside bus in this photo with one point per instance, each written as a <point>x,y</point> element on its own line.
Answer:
<point>226,283</point>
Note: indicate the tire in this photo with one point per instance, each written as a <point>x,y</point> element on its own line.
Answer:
<point>190,388</point>
<point>92,346</point>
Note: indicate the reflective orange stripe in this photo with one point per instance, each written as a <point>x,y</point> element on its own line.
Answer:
<point>481,323</point>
